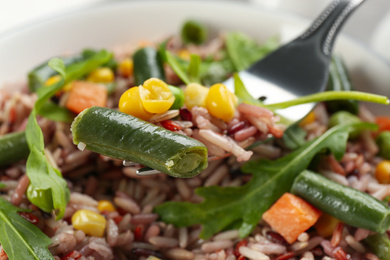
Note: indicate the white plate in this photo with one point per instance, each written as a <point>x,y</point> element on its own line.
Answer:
<point>131,21</point>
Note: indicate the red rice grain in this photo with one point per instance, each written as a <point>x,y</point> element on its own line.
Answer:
<point>337,233</point>
<point>20,190</point>
<point>226,235</point>
<point>183,189</point>
<point>213,246</point>
<point>183,237</point>
<point>165,242</point>
<point>112,232</point>
<point>217,176</point>
<point>152,231</point>
<point>355,244</point>
<point>252,254</point>
<point>179,254</point>
<point>143,219</point>
<point>127,204</point>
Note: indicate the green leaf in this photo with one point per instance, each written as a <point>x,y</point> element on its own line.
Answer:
<point>223,206</point>
<point>2,185</point>
<point>242,93</point>
<point>177,67</point>
<point>244,51</point>
<point>54,112</point>
<point>194,68</point>
<point>21,239</point>
<point>43,176</point>
<point>58,65</point>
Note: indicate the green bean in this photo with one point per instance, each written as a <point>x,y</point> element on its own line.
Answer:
<point>379,245</point>
<point>351,206</point>
<point>13,148</point>
<point>121,136</point>
<point>193,32</point>
<point>147,64</point>
<point>383,141</point>
<point>179,97</point>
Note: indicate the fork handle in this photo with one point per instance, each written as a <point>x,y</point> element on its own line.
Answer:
<point>326,27</point>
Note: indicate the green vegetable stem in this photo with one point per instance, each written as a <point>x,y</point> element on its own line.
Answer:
<point>383,141</point>
<point>118,135</point>
<point>339,80</point>
<point>147,64</point>
<point>193,31</point>
<point>13,147</point>
<point>351,206</point>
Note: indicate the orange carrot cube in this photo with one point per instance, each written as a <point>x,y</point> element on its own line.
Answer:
<point>85,95</point>
<point>290,216</point>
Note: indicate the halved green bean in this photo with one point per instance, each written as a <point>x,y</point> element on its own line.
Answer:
<point>13,148</point>
<point>147,64</point>
<point>118,135</point>
<point>380,245</point>
<point>351,206</point>
<point>179,97</point>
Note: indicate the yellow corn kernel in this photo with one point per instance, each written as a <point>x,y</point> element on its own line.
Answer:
<point>220,102</point>
<point>54,79</point>
<point>152,257</point>
<point>156,97</point>
<point>184,54</point>
<point>130,103</point>
<point>126,67</point>
<point>105,205</point>
<point>101,75</point>
<point>90,222</point>
<point>382,172</point>
<point>195,95</point>
<point>308,119</point>
<point>326,225</point>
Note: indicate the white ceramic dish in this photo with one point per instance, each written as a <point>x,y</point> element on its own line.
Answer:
<point>122,22</point>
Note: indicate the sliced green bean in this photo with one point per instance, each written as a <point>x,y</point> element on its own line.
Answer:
<point>351,206</point>
<point>147,64</point>
<point>118,135</point>
<point>13,148</point>
<point>193,32</point>
<point>379,245</point>
<point>179,97</point>
<point>383,141</point>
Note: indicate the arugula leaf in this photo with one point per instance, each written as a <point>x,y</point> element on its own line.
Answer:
<point>177,67</point>
<point>2,185</point>
<point>43,176</point>
<point>242,93</point>
<point>293,137</point>
<point>244,51</point>
<point>54,112</point>
<point>223,206</point>
<point>193,68</point>
<point>21,239</point>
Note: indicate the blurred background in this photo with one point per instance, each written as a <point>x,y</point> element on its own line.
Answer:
<point>370,24</point>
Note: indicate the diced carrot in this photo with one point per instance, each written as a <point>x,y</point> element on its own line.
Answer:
<point>85,95</point>
<point>290,216</point>
<point>383,123</point>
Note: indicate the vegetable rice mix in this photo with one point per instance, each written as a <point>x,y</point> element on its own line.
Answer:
<point>143,153</point>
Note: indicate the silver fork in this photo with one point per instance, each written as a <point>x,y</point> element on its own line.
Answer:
<point>300,67</point>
